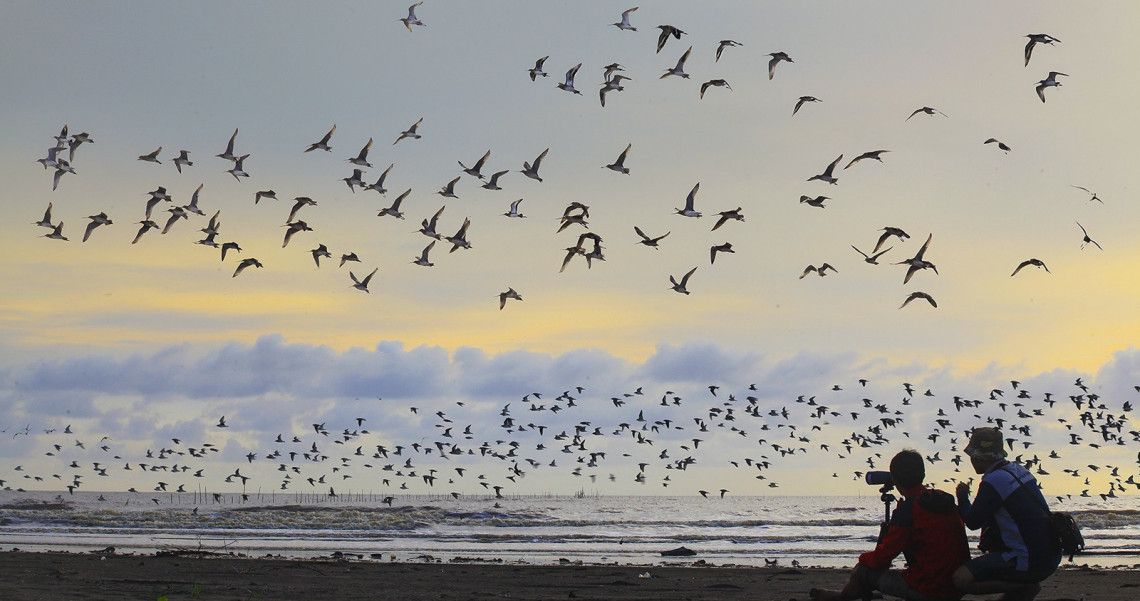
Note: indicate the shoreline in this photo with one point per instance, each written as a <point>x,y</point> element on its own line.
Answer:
<point>110,576</point>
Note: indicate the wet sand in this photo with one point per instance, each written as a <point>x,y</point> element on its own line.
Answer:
<point>57,576</point>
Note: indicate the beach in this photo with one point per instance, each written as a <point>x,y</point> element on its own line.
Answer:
<point>112,576</point>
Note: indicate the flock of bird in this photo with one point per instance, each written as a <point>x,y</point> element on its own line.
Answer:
<point>583,438</point>
<point>589,246</point>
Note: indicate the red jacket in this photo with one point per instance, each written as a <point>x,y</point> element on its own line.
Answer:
<point>926,529</point>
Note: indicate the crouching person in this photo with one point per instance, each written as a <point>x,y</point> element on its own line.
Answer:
<point>1018,544</point>
<point>926,528</point>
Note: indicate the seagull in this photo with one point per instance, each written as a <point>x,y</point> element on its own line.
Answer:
<point>922,295</point>
<point>871,154</point>
<point>724,44</point>
<point>1085,241</point>
<point>152,157</point>
<point>647,241</point>
<point>821,271</point>
<point>916,262</point>
<point>714,82</point>
<point>46,221</point>
<point>679,69</point>
<point>530,170</point>
<point>147,225</point>
<point>666,31</point>
<point>423,258</point>
<point>928,110</point>
<point>510,293</point>
<point>776,58</point>
<point>474,170</point>
<point>1050,81</point>
<point>448,190</point>
<point>680,286</point>
<point>229,152</point>
<point>264,194</point>
<point>459,240</point>
<point>827,176</point>
<point>1093,194</point>
<point>412,19</point>
<point>96,221</point>
<point>1034,39</point>
<point>238,171</point>
<point>688,211</point>
<point>723,248</point>
<point>183,158</point>
<point>410,132</point>
<point>802,100</point>
<point>726,215</point>
<point>569,84</point>
<point>537,71</point>
<point>362,158</point>
<point>887,233</point>
<point>514,210</point>
<point>872,259</point>
<point>1000,144</point>
<point>619,164</point>
<point>362,284</point>
<point>815,202</point>
<point>624,24</point>
<point>320,251</point>
<point>1034,262</point>
<point>250,262</point>
<point>56,233</point>
<point>323,144</point>
<point>394,210</point>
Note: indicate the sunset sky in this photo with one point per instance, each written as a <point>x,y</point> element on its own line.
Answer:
<point>148,341</point>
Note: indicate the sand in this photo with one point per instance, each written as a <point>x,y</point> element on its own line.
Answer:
<point>67,576</point>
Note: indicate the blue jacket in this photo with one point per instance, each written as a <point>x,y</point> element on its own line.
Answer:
<point>1010,500</point>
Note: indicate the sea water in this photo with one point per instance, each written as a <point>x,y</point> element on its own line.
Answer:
<point>825,531</point>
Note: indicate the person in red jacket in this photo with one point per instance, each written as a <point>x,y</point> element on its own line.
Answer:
<point>925,529</point>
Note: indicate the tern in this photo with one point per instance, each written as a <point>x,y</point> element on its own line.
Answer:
<point>410,132</point>
<point>666,31</point>
<point>379,185</point>
<point>801,102</point>
<point>624,23</point>
<point>1085,241</point>
<point>1034,39</point>
<point>870,154</point>
<point>714,82</point>
<point>510,293</point>
<point>362,158</point>
<point>776,58</point>
<point>927,110</point>
<point>530,170</point>
<point>619,164</point>
<point>688,211</point>
<point>56,233</point>
<point>238,170</point>
<point>394,210</point>
<point>46,221</point>
<point>183,158</point>
<point>874,258</point>
<point>1028,262</point>
<point>922,295</point>
<point>228,154</point>
<point>96,221</point>
<point>821,271</point>
<point>514,210</point>
<point>459,240</point>
<point>726,215</point>
<point>250,262</point>
<point>1048,82</point>
<point>1092,195</point>
<point>475,169</point>
<point>412,19</point>
<point>827,176</point>
<point>679,68</point>
<point>537,71</point>
<point>1001,145</point>
<point>422,260</point>
<point>150,158</point>
<point>917,262</point>
<point>725,44</point>
<point>681,286</point>
<point>568,85</point>
<point>646,240</point>
<point>323,143</point>
<point>722,248</point>
<point>320,251</point>
<point>448,190</point>
<point>362,284</point>
<point>427,228</point>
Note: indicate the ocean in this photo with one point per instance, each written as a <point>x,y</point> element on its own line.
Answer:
<point>826,531</point>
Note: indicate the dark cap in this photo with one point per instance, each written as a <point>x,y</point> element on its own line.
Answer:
<point>986,444</point>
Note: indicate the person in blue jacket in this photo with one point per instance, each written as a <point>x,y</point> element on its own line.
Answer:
<point>1019,549</point>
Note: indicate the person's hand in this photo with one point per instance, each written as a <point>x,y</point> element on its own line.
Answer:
<point>962,489</point>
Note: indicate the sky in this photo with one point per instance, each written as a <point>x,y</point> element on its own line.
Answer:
<point>158,339</point>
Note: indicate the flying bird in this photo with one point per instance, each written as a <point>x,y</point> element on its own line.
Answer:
<point>152,157</point>
<point>1092,195</point>
<point>96,221</point>
<point>821,271</point>
<point>871,154</point>
<point>412,19</point>
<point>624,23</point>
<point>183,158</point>
<point>872,259</point>
<point>646,240</point>
<point>250,262</point>
<point>228,154</point>
<point>238,170</point>
<point>536,70</point>
<point>410,132</point>
<point>362,158</point>
<point>394,209</point>
<point>666,31</point>
<point>475,169</point>
<point>1085,241</point>
<point>1048,82</point>
<point>725,44</point>
<point>776,58</point>
<point>887,233</point>
<point>714,82</point>
<point>362,284</point>
<point>510,293</point>
<point>722,248</point>
<point>1026,263</point>
<point>1000,144</point>
<point>917,262</point>
<point>679,68</point>
<point>619,164</point>
<point>801,102</point>
<point>827,176</point>
<point>422,260</point>
<point>922,295</point>
<point>1034,39</point>
<point>688,211</point>
<point>530,170</point>
<point>514,210</point>
<point>814,202</point>
<point>736,214</point>
<point>928,110</point>
<point>323,143</point>
<point>681,286</point>
<point>568,85</point>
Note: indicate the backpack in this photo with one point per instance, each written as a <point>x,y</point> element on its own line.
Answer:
<point>1065,529</point>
